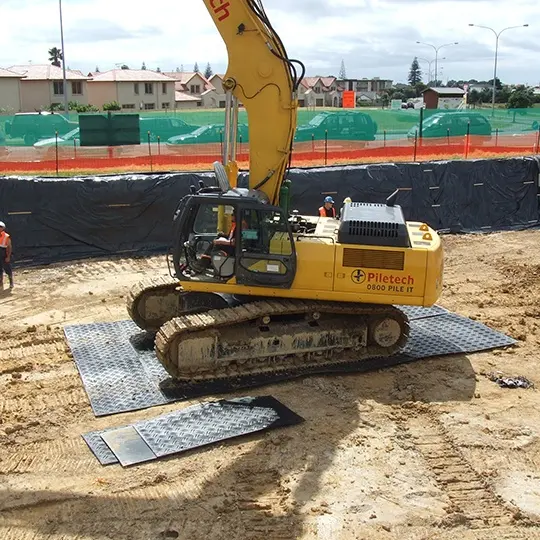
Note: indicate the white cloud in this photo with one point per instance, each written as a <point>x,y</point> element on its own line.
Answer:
<point>374,37</point>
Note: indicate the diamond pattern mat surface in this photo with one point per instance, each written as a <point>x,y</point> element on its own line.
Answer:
<point>121,373</point>
<point>189,428</point>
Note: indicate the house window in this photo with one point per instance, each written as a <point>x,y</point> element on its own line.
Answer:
<point>199,104</point>
<point>149,106</point>
<point>76,88</point>
<point>58,88</point>
<point>136,87</point>
<point>317,90</point>
<point>195,88</point>
<point>128,106</point>
<point>163,88</point>
<point>148,88</point>
<point>166,105</point>
<point>222,104</point>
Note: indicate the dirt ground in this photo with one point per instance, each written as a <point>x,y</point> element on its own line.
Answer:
<point>431,450</point>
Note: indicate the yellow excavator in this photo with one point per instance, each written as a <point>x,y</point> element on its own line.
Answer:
<point>256,288</point>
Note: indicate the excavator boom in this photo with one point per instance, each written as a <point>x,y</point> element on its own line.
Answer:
<point>263,79</point>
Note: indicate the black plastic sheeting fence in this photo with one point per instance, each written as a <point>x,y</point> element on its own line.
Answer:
<point>55,219</point>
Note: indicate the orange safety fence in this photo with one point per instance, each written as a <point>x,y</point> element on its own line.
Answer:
<point>156,156</point>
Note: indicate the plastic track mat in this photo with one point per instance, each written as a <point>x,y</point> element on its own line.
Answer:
<point>121,373</point>
<point>189,428</point>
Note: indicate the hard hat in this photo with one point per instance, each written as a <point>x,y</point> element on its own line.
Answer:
<point>2,225</point>
<point>347,200</point>
<point>329,199</point>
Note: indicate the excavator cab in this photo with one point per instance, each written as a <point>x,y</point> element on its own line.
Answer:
<point>233,238</point>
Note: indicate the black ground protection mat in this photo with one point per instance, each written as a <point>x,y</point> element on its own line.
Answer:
<point>121,373</point>
<point>189,428</point>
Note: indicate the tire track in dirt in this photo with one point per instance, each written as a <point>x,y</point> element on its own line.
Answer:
<point>473,501</point>
<point>58,456</point>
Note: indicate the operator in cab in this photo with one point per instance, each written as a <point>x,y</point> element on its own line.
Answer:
<point>327,209</point>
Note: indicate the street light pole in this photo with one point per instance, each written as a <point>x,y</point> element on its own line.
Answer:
<point>496,53</point>
<point>436,49</point>
<point>66,111</point>
<point>429,62</point>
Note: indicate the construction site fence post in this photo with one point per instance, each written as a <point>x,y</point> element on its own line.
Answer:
<point>415,144</point>
<point>384,138</point>
<point>150,151</point>
<point>448,135</point>
<point>496,137</point>
<point>159,145</point>
<point>56,150</point>
<point>326,147</point>
<point>313,142</point>
<point>467,139</point>
<point>75,148</point>
<point>421,122</point>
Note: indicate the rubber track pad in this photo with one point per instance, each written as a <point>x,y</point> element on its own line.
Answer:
<point>121,373</point>
<point>189,428</point>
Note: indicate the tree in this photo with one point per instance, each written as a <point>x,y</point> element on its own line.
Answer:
<point>143,66</point>
<point>474,97</point>
<point>520,98</point>
<point>196,67</point>
<point>419,88</point>
<point>158,69</point>
<point>342,71</point>
<point>55,56</point>
<point>208,71</point>
<point>97,69</point>
<point>415,73</point>
<point>124,66</point>
<point>177,70</point>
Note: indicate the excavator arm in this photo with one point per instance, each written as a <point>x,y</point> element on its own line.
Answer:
<point>265,81</point>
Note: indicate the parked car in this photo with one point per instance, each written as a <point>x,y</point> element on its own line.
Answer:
<point>453,123</point>
<point>348,125</point>
<point>38,125</point>
<point>164,127</point>
<point>212,133</point>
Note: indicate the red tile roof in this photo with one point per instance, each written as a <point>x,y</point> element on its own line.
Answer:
<point>130,75</point>
<point>46,72</point>
<point>8,73</point>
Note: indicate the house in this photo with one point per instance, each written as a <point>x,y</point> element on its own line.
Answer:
<point>320,92</point>
<point>376,85</point>
<point>42,85</point>
<point>133,89</point>
<point>189,88</point>
<point>214,97</point>
<point>443,98</point>
<point>10,91</point>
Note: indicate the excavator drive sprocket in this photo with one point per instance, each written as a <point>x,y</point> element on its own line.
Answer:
<point>270,336</point>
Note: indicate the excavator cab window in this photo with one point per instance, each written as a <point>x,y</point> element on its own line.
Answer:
<point>266,255</point>
<point>252,243</point>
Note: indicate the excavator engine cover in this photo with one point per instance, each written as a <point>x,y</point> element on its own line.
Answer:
<point>374,225</point>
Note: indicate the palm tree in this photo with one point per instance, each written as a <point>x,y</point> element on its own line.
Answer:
<point>55,55</point>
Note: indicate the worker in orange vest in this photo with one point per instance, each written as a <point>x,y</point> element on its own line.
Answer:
<point>327,209</point>
<point>5,256</point>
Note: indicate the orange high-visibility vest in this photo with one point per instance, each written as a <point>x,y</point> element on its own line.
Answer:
<point>322,212</point>
<point>4,239</point>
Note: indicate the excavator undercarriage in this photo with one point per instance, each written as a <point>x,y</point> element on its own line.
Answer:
<point>209,336</point>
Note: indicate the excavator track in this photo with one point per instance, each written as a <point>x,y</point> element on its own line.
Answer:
<point>152,302</point>
<point>276,335</point>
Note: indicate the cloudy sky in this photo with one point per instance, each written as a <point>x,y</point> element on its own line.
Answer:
<point>375,38</point>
